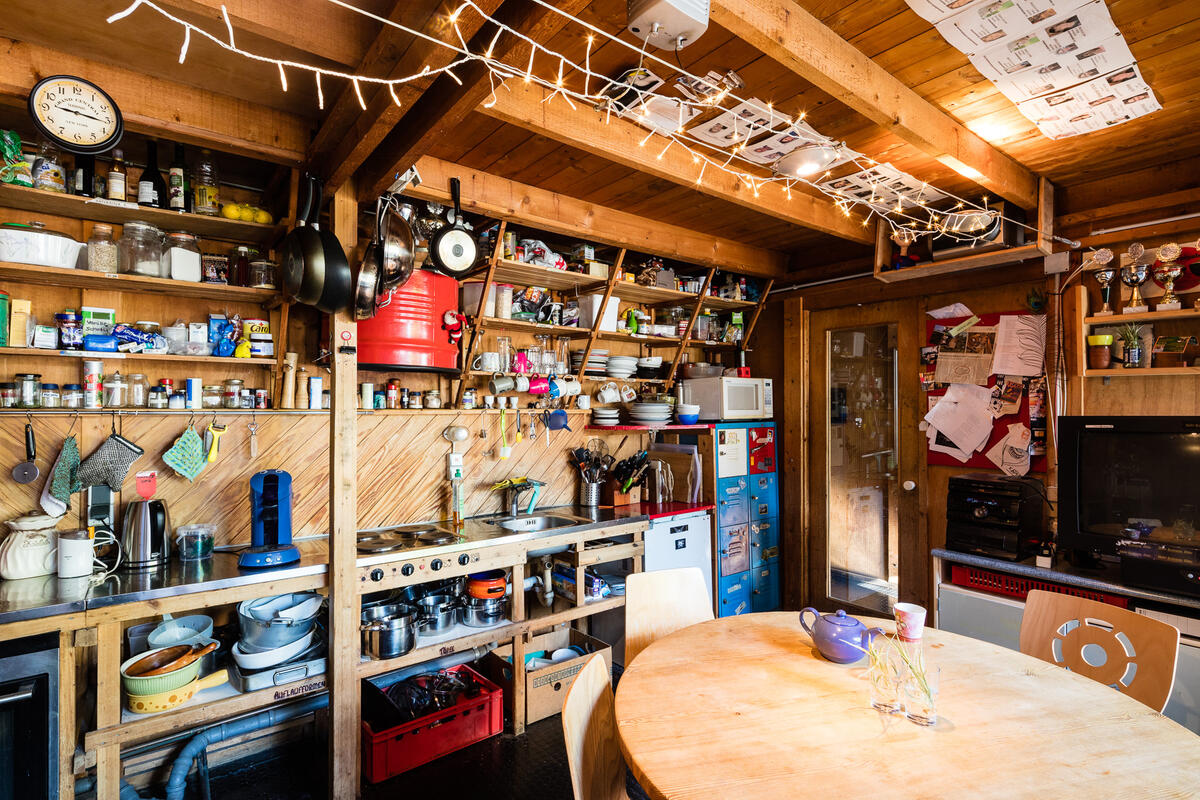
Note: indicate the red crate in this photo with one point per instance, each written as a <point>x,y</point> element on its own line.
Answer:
<point>388,753</point>
<point>985,580</point>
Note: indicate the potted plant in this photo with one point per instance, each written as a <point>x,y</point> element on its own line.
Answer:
<point>1131,342</point>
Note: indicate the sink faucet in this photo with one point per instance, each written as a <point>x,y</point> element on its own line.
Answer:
<point>514,488</point>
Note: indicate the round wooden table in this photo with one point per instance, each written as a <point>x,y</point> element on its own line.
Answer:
<point>744,707</point>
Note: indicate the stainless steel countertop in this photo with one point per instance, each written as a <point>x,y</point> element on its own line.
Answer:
<point>33,598</point>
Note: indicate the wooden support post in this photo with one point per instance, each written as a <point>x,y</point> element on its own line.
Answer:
<point>687,333</point>
<point>613,274</point>
<point>518,701</point>
<point>477,321</point>
<point>1045,216</point>
<point>793,424</point>
<point>66,714</point>
<point>108,708</point>
<point>344,649</point>
<point>762,301</point>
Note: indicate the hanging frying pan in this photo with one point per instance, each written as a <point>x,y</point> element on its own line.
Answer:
<point>453,249</point>
<point>397,244</point>
<point>301,243</point>
<point>366,277</point>
<point>332,270</point>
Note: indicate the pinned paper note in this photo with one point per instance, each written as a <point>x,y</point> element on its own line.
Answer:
<point>1011,454</point>
<point>1020,345</point>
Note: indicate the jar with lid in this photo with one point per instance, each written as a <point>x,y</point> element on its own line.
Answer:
<point>29,390</point>
<point>211,397</point>
<point>433,399</point>
<point>158,397</point>
<point>262,274</point>
<point>48,172</point>
<point>102,249</point>
<point>414,399</point>
<point>181,257</point>
<point>8,394</point>
<point>139,390</point>
<point>70,330</point>
<point>116,391</point>
<point>72,395</point>
<point>141,249</point>
<point>232,396</point>
<point>148,326</point>
<point>239,267</point>
<point>51,396</point>
<point>177,400</point>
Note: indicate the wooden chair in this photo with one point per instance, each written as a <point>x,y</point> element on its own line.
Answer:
<point>1130,652</point>
<point>590,734</point>
<point>662,602</point>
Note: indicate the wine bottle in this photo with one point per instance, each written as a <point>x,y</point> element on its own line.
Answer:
<point>177,173</point>
<point>152,189</point>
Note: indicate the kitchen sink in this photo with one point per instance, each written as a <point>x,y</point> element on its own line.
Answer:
<point>538,522</point>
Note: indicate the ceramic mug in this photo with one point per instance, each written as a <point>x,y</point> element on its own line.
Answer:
<point>628,393</point>
<point>521,383</point>
<point>910,621</point>
<point>568,386</point>
<point>608,393</point>
<point>539,385</point>
<point>487,361</point>
<point>521,362</point>
<point>499,384</point>
<point>583,401</point>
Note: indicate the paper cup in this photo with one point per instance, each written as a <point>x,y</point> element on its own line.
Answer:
<point>910,621</point>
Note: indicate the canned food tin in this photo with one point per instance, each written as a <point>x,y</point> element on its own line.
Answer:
<point>260,398</point>
<point>195,392</point>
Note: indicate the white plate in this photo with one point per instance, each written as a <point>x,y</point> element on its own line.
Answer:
<point>269,658</point>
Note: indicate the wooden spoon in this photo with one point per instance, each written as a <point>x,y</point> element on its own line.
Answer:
<point>167,655</point>
<point>194,652</point>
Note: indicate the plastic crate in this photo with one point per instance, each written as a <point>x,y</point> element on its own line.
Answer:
<point>390,752</point>
<point>985,580</point>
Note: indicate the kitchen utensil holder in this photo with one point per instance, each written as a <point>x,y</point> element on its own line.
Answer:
<point>589,494</point>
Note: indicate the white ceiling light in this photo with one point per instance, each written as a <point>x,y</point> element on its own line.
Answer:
<point>669,24</point>
<point>808,159</point>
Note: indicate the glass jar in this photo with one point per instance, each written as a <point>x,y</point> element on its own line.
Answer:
<point>139,390</point>
<point>239,267</point>
<point>102,250</point>
<point>414,399</point>
<point>148,326</point>
<point>29,390</point>
<point>211,398</point>
<point>116,391</point>
<point>48,172</point>
<point>158,398</point>
<point>232,396</point>
<point>72,395</point>
<point>504,347</point>
<point>141,249</point>
<point>181,258</point>
<point>70,330</point>
<point>262,274</point>
<point>177,400</point>
<point>51,396</point>
<point>8,394</point>
<point>433,399</point>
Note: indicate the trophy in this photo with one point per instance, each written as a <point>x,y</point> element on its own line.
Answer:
<point>1165,272</point>
<point>1104,275</point>
<point>1133,275</point>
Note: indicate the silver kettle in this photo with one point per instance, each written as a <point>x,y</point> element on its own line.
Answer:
<point>145,535</point>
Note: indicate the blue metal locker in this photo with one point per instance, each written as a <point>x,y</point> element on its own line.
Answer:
<point>764,497</point>
<point>764,542</point>
<point>765,587</point>
<point>736,594</point>
<point>733,501</point>
<point>733,549</point>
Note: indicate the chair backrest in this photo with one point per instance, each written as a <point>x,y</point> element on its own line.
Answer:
<point>590,734</point>
<point>1131,652</point>
<point>662,602</point>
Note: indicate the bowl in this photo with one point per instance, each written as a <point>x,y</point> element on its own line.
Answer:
<point>182,630</point>
<point>1101,339</point>
<point>688,419</point>
<point>155,684</point>
<point>269,658</point>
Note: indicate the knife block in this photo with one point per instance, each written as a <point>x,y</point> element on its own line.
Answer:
<point>611,494</point>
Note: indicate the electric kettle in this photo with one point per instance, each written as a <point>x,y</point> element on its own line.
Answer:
<point>145,535</point>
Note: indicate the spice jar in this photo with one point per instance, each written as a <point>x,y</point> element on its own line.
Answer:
<point>116,391</point>
<point>8,394</point>
<point>29,390</point>
<point>102,250</point>
<point>70,330</point>
<point>181,259</point>
<point>139,390</point>
<point>232,396</point>
<point>433,399</point>
<point>211,396</point>
<point>158,397</point>
<point>72,395</point>
<point>262,274</point>
<point>414,399</point>
<point>51,396</point>
<point>141,249</point>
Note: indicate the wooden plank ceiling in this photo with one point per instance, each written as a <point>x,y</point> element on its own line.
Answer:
<point>1162,34</point>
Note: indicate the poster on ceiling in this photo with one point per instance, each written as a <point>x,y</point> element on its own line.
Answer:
<point>1066,71</point>
<point>740,123</point>
<point>882,187</point>
<point>1081,38</point>
<point>982,24</point>
<point>1101,103</point>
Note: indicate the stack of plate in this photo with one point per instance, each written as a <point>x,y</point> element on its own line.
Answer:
<point>606,416</point>
<point>650,413</point>
<point>649,366</point>
<point>597,361</point>
<point>621,366</point>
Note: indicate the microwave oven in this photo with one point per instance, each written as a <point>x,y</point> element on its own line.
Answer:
<point>730,398</point>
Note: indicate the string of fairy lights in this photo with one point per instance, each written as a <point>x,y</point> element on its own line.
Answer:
<point>908,213</point>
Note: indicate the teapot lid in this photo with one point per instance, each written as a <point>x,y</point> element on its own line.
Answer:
<point>841,618</point>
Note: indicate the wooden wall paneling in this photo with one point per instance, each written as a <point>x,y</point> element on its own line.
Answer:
<point>792,398</point>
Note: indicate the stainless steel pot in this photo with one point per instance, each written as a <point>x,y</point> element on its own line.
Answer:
<point>438,612</point>
<point>389,631</point>
<point>480,613</point>
<point>259,635</point>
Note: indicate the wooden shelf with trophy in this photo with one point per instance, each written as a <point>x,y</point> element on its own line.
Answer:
<point>1148,320</point>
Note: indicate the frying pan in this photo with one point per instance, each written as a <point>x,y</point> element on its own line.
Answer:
<point>398,244</point>
<point>315,268</point>
<point>453,249</point>
<point>27,471</point>
<point>366,277</point>
<point>297,245</point>
<point>335,277</point>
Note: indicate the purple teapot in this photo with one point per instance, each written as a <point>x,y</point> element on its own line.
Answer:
<point>839,637</point>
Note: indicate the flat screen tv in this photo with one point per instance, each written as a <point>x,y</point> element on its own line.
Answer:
<point>1118,472</point>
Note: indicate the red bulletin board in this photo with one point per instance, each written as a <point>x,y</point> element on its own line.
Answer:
<point>979,459</point>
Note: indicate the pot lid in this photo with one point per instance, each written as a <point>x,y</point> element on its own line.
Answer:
<point>841,618</point>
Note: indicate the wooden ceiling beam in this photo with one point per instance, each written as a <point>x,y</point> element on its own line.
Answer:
<point>164,108</point>
<point>498,197</point>
<point>444,106</point>
<point>615,139</point>
<point>787,33</point>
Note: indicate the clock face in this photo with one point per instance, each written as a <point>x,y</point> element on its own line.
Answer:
<point>75,114</point>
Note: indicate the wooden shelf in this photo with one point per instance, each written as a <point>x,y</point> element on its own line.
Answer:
<point>607,378</point>
<point>723,304</point>
<point>66,205</point>
<point>1145,316</point>
<point>650,341</point>
<point>85,279</point>
<point>1141,372</point>
<point>515,272</point>
<point>624,428</point>
<point>522,326</point>
<point>994,258</point>
<point>630,292</point>
<point>699,343</point>
<point>39,352</point>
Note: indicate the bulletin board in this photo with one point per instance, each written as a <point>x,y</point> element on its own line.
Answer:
<point>979,459</point>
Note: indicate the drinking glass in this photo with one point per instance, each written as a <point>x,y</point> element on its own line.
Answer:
<point>920,695</point>
<point>885,676</point>
<point>533,358</point>
<point>505,348</point>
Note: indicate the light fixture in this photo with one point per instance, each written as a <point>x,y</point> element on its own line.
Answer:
<point>969,221</point>
<point>809,159</point>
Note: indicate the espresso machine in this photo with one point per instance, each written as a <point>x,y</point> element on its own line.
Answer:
<point>270,522</point>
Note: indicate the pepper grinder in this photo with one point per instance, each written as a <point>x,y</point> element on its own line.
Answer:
<point>289,381</point>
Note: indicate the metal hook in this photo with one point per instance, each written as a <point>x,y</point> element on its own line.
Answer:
<point>29,417</point>
<point>74,419</point>
<point>114,423</point>
<point>192,419</point>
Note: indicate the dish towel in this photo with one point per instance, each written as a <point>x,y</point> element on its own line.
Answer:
<point>63,480</point>
<point>186,456</point>
<point>110,463</point>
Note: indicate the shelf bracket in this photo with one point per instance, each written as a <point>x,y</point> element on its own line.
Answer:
<point>613,274</point>
<point>687,333</point>
<point>477,323</point>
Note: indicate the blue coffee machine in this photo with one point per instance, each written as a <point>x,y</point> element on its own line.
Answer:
<point>270,521</point>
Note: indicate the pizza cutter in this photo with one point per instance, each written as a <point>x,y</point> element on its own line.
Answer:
<point>27,471</point>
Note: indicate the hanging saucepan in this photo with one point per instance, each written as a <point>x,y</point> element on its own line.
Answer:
<point>453,249</point>
<point>397,244</point>
<point>301,242</point>
<point>333,273</point>
<point>366,277</point>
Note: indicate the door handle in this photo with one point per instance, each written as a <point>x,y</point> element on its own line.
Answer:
<point>908,486</point>
<point>23,692</point>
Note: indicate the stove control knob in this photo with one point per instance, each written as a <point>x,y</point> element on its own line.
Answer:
<point>407,569</point>
<point>436,564</point>
<point>377,574</point>
<point>464,559</point>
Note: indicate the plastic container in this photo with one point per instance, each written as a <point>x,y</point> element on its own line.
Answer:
<point>181,258</point>
<point>195,542</point>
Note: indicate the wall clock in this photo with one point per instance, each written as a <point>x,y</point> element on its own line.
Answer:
<point>75,114</point>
